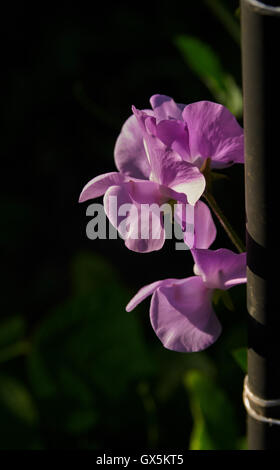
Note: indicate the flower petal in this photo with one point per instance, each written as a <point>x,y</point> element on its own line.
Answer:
<point>153,147</point>
<point>149,192</point>
<point>183,177</point>
<point>130,155</point>
<point>198,225</point>
<point>204,227</point>
<point>163,160</point>
<point>145,192</point>
<point>175,135</point>
<point>142,231</point>
<point>99,185</point>
<point>165,107</point>
<point>145,291</point>
<point>182,316</point>
<point>214,132</point>
<point>220,269</point>
<point>169,169</point>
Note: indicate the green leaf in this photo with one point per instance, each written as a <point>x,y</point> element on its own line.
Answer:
<point>14,350</point>
<point>242,443</point>
<point>226,17</point>
<point>205,63</point>
<point>218,176</point>
<point>215,424</point>
<point>202,60</point>
<point>223,297</point>
<point>12,344</point>
<point>17,399</point>
<point>240,355</point>
<point>86,348</point>
<point>172,368</point>
<point>11,330</point>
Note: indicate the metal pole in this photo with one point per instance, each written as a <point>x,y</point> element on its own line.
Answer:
<point>260,28</point>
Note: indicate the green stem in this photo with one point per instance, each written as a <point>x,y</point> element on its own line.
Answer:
<point>225,223</point>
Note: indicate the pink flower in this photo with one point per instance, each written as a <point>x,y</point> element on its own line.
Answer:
<point>181,310</point>
<point>196,131</point>
<point>159,154</point>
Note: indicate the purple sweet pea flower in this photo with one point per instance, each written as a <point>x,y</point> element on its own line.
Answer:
<point>130,194</point>
<point>159,154</point>
<point>196,132</point>
<point>181,310</point>
<point>170,179</point>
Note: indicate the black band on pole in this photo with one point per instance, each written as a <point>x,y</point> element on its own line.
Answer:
<point>260,26</point>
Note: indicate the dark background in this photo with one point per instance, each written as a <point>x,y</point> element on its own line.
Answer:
<point>77,370</point>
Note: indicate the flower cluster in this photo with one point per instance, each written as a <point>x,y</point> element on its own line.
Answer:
<point>162,155</point>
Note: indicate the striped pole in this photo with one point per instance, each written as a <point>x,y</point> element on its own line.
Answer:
<point>260,29</point>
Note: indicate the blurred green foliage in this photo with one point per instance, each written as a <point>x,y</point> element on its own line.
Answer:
<point>76,370</point>
<point>205,63</point>
<point>215,423</point>
<point>240,355</point>
<point>88,372</point>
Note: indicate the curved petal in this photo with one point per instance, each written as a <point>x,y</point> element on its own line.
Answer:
<point>145,291</point>
<point>175,135</point>
<point>214,132</point>
<point>129,153</point>
<point>146,120</point>
<point>183,177</point>
<point>167,166</point>
<point>160,158</point>
<point>165,107</point>
<point>169,169</point>
<point>145,192</point>
<point>149,192</point>
<point>141,228</point>
<point>182,316</point>
<point>156,151</point>
<point>220,269</point>
<point>197,224</point>
<point>153,147</point>
<point>99,185</point>
<point>204,228</point>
